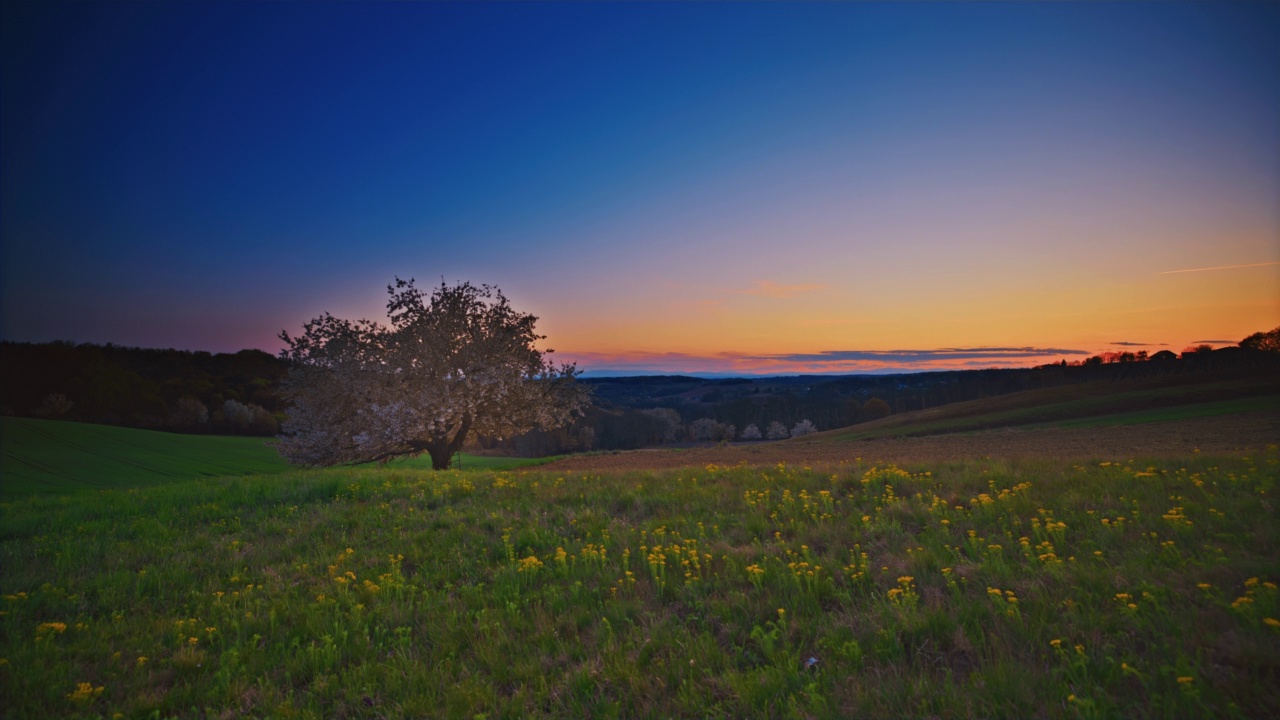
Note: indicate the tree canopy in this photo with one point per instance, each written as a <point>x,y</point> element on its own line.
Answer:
<point>1268,341</point>
<point>456,363</point>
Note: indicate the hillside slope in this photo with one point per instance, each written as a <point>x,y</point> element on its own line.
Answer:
<point>54,455</point>
<point>60,456</point>
<point>1090,404</point>
<point>1095,421</point>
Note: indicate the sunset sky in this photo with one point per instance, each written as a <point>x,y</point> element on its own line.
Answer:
<point>670,187</point>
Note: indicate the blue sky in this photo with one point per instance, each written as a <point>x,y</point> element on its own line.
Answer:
<point>654,180</point>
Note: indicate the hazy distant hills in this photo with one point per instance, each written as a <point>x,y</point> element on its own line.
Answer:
<point>230,394</point>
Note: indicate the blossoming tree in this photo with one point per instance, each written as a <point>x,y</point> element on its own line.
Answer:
<point>454,363</point>
<point>802,428</point>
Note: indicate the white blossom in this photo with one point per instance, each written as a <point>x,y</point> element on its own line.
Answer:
<point>454,364</point>
<point>777,431</point>
<point>804,427</point>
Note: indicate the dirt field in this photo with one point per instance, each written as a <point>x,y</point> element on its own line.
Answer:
<point>1231,434</point>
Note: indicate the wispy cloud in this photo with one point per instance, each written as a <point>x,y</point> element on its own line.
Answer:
<point>771,289</point>
<point>908,356</point>
<point>1220,267</point>
<point>1126,343</point>
<point>825,362</point>
<point>1214,342</point>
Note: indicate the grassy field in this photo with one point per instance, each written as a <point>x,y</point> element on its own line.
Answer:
<point>1178,412</point>
<point>1096,404</point>
<point>56,456</point>
<point>962,589</point>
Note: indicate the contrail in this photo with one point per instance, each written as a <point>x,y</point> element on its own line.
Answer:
<point>1220,267</point>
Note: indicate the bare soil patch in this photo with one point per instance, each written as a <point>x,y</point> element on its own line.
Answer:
<point>1224,435</point>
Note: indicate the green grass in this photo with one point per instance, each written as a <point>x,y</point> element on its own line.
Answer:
<point>1098,404</point>
<point>467,462</point>
<point>58,456</point>
<point>963,589</point>
<point>1181,412</point>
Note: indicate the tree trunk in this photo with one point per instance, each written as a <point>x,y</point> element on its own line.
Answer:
<point>441,456</point>
<point>443,448</point>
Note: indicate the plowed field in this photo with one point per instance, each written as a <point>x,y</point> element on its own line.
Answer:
<point>1229,435</point>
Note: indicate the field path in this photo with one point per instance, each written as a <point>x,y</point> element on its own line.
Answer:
<point>1224,435</point>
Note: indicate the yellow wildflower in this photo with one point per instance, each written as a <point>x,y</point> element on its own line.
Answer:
<point>84,693</point>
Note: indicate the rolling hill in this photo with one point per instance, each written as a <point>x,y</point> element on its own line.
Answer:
<point>60,456</point>
<point>1097,404</point>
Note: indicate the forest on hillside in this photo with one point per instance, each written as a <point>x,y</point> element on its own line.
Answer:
<point>176,390</point>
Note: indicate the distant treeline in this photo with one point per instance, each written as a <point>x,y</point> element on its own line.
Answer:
<point>200,392</point>
<point>194,392</point>
<point>636,412</point>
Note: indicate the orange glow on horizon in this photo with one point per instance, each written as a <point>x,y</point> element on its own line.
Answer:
<point>1074,313</point>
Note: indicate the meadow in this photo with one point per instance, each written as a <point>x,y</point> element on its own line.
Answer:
<point>978,588</point>
<point>55,456</point>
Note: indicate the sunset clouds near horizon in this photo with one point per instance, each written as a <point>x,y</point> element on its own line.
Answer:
<point>831,362</point>
<point>732,188</point>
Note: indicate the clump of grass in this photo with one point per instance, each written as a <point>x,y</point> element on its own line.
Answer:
<point>869,590</point>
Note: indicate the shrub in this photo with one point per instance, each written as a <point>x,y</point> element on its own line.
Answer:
<point>54,405</point>
<point>703,429</point>
<point>804,427</point>
<point>706,429</point>
<point>236,415</point>
<point>262,422</point>
<point>751,432</point>
<point>668,422</point>
<point>777,431</point>
<point>876,409</point>
<point>189,413</point>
